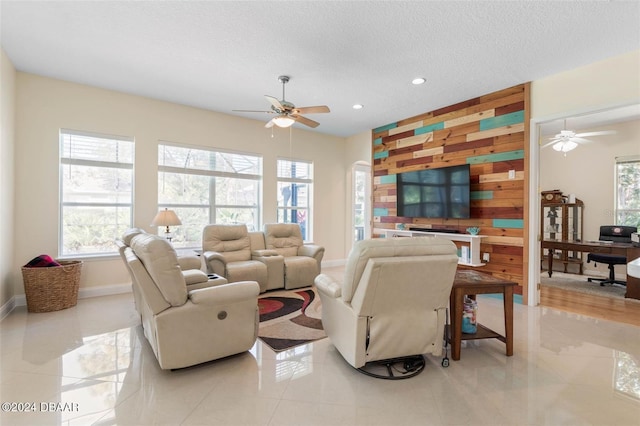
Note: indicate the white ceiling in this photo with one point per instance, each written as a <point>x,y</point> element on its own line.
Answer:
<point>225,55</point>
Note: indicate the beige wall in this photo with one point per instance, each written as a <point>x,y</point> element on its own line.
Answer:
<point>615,81</point>
<point>7,146</point>
<point>45,105</point>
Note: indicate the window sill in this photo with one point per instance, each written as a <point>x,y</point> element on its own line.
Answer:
<point>91,257</point>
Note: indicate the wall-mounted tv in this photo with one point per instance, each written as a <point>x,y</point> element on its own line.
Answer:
<point>434,193</point>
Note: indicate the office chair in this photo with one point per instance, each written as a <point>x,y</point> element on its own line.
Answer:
<point>616,234</point>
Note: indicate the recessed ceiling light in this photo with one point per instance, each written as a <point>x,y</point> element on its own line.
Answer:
<point>418,81</point>
<point>358,106</point>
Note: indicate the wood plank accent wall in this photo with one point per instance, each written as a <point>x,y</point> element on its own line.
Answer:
<point>490,133</point>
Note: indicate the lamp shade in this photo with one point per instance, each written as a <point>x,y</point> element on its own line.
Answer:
<point>166,218</point>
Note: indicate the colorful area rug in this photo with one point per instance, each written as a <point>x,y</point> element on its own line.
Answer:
<point>290,318</point>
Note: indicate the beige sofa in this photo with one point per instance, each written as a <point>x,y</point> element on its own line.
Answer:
<point>393,299</point>
<point>276,258</point>
<point>187,326</point>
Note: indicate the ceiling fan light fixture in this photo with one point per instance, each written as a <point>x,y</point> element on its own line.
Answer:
<point>283,121</point>
<point>565,146</point>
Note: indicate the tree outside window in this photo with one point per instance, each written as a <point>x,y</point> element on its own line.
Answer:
<point>627,209</point>
<point>208,186</point>
<point>96,192</point>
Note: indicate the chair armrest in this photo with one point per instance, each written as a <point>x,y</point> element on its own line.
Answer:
<point>226,293</point>
<point>311,250</point>
<point>215,262</point>
<point>189,262</point>
<point>194,276</point>
<point>263,253</point>
<point>328,286</point>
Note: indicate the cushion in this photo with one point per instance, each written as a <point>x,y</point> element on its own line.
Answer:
<point>161,262</point>
<point>130,233</point>
<point>231,241</point>
<point>285,238</point>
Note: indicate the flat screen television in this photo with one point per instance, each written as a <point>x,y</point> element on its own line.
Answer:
<point>435,193</point>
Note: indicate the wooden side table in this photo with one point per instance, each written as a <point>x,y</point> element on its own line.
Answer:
<point>468,282</point>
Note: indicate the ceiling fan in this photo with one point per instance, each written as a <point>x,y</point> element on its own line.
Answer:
<point>567,140</point>
<point>288,113</point>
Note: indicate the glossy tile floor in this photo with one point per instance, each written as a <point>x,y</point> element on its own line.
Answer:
<point>93,362</point>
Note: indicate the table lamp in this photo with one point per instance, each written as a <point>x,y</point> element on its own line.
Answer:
<point>166,218</point>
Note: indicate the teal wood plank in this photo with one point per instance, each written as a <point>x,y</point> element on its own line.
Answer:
<point>380,211</point>
<point>481,195</point>
<point>429,128</point>
<point>508,223</point>
<point>387,127</point>
<point>494,158</point>
<point>379,155</point>
<point>377,141</point>
<point>502,120</point>
<point>388,179</point>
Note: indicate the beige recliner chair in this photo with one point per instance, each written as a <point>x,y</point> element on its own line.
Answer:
<point>189,267</point>
<point>392,302</point>
<point>228,252</point>
<point>302,262</point>
<point>187,327</point>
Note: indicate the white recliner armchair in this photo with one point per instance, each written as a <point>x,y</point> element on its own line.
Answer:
<point>187,327</point>
<point>302,262</point>
<point>392,302</point>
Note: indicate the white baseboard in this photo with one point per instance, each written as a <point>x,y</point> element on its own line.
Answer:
<point>83,293</point>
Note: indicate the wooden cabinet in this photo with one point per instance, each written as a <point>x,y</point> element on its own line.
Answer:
<point>563,222</point>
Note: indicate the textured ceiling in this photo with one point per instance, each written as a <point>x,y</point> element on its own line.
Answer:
<point>222,55</point>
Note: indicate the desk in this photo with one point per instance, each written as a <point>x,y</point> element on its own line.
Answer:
<point>628,250</point>
<point>471,283</point>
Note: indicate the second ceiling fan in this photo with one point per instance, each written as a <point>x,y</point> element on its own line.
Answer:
<point>567,140</point>
<point>288,113</point>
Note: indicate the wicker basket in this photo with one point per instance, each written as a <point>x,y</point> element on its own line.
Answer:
<point>52,288</point>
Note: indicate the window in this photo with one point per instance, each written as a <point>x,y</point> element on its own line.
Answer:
<point>627,208</point>
<point>96,192</point>
<point>208,186</point>
<point>295,191</point>
<point>361,193</point>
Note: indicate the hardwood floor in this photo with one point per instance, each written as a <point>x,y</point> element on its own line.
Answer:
<point>626,311</point>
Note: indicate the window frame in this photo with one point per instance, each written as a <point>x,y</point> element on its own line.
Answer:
<point>308,235</point>
<point>212,175</point>
<point>634,159</point>
<point>62,161</point>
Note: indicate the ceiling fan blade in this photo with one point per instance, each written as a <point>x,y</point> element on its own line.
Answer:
<point>251,110</point>
<point>269,124</point>
<point>549,144</point>
<point>304,120</point>
<point>603,132</point>
<point>580,140</point>
<point>312,110</point>
<point>275,102</point>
